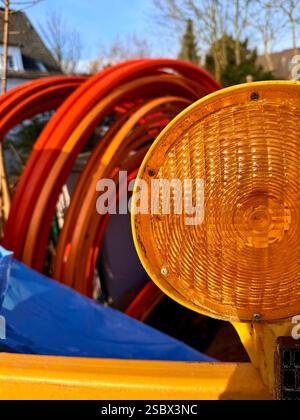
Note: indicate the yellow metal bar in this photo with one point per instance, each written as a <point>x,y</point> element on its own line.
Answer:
<point>38,377</point>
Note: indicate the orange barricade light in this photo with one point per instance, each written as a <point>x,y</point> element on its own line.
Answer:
<point>239,149</point>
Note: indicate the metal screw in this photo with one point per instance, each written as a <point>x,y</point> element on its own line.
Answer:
<point>256,318</point>
<point>255,96</point>
<point>165,272</point>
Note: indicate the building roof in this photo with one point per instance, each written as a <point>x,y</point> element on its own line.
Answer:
<point>281,62</point>
<point>27,74</point>
<point>22,34</point>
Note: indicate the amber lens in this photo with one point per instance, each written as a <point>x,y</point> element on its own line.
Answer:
<point>244,259</point>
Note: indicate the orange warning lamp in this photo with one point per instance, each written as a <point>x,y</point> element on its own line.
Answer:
<point>238,151</point>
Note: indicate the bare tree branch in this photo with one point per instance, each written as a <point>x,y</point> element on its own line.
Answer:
<point>120,50</point>
<point>267,21</point>
<point>210,18</point>
<point>291,10</point>
<point>64,43</point>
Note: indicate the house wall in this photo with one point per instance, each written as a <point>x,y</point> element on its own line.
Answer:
<point>11,83</point>
<point>16,56</point>
<point>282,63</point>
<point>16,65</point>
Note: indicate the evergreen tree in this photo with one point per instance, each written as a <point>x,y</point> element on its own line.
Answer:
<point>232,73</point>
<point>189,49</point>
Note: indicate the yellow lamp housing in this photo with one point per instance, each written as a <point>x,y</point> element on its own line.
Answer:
<point>240,149</point>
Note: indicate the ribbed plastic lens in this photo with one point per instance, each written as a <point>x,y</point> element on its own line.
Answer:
<point>243,261</point>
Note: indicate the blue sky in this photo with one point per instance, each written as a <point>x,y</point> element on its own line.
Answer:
<point>99,21</point>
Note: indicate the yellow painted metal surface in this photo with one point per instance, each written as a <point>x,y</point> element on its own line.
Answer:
<point>260,341</point>
<point>39,377</point>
